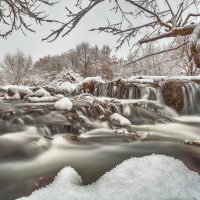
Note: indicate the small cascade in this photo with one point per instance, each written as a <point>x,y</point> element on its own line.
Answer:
<point>191,93</point>
<point>181,95</point>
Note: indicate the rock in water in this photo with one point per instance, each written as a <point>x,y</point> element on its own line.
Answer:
<point>117,119</point>
<point>63,104</point>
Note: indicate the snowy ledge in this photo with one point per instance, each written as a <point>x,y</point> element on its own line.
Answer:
<point>155,177</point>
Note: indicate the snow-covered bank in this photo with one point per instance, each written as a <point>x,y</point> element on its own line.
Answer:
<point>155,177</point>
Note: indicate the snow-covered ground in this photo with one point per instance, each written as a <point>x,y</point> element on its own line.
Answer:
<point>155,177</point>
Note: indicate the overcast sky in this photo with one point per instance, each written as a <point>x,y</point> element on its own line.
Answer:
<point>32,44</point>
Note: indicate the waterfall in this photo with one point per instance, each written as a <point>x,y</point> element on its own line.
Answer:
<point>191,93</point>
<point>181,95</point>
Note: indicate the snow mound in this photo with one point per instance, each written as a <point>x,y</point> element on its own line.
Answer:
<point>16,92</point>
<point>68,87</point>
<point>92,80</point>
<point>155,177</point>
<point>42,99</point>
<point>18,88</point>
<point>120,120</point>
<point>63,104</point>
<point>42,93</point>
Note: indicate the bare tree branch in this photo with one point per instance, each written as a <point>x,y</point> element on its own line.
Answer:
<point>156,53</point>
<point>14,15</point>
<point>177,31</point>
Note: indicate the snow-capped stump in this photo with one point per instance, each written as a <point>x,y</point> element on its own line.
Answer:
<point>41,93</point>
<point>117,119</point>
<point>63,104</point>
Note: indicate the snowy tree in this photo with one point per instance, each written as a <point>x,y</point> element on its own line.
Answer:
<point>155,19</point>
<point>17,67</point>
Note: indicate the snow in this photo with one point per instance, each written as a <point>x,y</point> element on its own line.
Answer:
<point>155,177</point>
<point>152,79</point>
<point>59,96</point>
<point>92,80</point>
<point>41,99</point>
<point>120,119</point>
<point>194,41</point>
<point>18,88</point>
<point>68,87</point>
<point>42,93</point>
<point>63,104</point>
<point>67,74</point>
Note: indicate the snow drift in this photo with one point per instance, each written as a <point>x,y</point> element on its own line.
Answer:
<point>155,177</point>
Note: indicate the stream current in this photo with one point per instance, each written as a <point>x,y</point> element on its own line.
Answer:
<point>38,141</point>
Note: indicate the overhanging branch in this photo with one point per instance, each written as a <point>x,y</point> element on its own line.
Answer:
<point>177,31</point>
<point>156,53</point>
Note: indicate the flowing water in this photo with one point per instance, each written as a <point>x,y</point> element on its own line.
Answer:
<point>37,141</point>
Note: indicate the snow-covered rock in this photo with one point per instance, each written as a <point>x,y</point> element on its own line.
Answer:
<point>59,96</point>
<point>18,88</point>
<point>16,92</point>
<point>67,87</point>
<point>120,120</point>
<point>155,177</point>
<point>16,96</point>
<point>63,104</point>
<point>41,93</point>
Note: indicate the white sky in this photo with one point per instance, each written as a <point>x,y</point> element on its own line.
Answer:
<point>32,44</point>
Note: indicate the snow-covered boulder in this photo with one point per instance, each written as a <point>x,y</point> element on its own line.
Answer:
<point>67,87</point>
<point>16,92</point>
<point>15,96</point>
<point>63,104</point>
<point>41,93</point>
<point>119,120</point>
<point>59,96</point>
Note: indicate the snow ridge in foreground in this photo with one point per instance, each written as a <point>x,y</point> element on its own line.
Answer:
<point>155,177</point>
